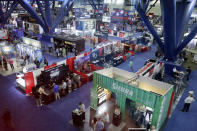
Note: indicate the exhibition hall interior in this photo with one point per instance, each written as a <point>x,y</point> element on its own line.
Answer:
<point>98,65</point>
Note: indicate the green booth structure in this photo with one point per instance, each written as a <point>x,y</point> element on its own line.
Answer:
<point>127,85</point>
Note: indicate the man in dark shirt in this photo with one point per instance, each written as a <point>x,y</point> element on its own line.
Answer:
<point>188,72</point>
<point>7,120</point>
<point>45,61</point>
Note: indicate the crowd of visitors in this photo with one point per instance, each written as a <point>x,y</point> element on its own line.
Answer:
<point>4,61</point>
<point>58,87</point>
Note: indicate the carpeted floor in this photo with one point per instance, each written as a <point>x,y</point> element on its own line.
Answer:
<point>185,121</point>
<point>56,116</point>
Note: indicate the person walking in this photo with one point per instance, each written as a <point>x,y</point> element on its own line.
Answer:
<point>5,63</point>
<point>131,65</point>
<point>57,52</point>
<point>56,91</point>
<point>11,62</point>
<point>188,72</point>
<point>42,93</point>
<point>7,119</point>
<point>45,61</point>
<point>1,62</point>
<point>37,97</point>
<point>106,120</point>
<point>188,101</point>
<point>76,52</point>
<point>99,125</point>
<point>64,86</point>
<point>64,51</point>
<point>37,63</point>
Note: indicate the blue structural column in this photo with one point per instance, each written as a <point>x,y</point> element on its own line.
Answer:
<point>1,12</point>
<point>151,6</point>
<point>41,12</point>
<point>66,7</point>
<point>12,8</point>
<point>190,36</point>
<point>92,4</point>
<point>30,10</point>
<point>47,12</point>
<point>183,13</point>
<point>145,4</point>
<point>7,6</point>
<point>149,26</point>
<point>169,25</point>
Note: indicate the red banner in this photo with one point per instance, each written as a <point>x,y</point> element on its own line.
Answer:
<point>29,82</point>
<point>50,66</point>
<point>169,109</point>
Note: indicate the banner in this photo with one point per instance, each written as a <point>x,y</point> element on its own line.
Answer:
<point>29,82</point>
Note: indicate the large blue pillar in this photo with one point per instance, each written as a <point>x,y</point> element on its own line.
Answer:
<point>66,7</point>
<point>48,13</point>
<point>190,36</point>
<point>1,13</point>
<point>169,25</point>
<point>8,13</point>
<point>41,12</point>
<point>149,26</point>
<point>30,10</point>
<point>183,13</point>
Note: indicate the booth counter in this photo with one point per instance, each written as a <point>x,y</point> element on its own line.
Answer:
<point>107,53</point>
<point>142,90</point>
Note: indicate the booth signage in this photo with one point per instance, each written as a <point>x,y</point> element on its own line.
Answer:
<point>69,43</point>
<point>54,73</point>
<point>121,89</point>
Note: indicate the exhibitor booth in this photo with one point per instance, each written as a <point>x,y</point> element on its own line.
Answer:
<point>149,100</point>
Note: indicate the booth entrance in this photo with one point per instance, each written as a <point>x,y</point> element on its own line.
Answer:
<point>151,97</point>
<point>140,114</point>
<point>103,95</point>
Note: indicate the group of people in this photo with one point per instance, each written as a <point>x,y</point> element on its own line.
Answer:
<point>101,123</point>
<point>180,74</point>
<point>4,63</point>
<point>61,52</point>
<point>64,86</point>
<point>43,62</point>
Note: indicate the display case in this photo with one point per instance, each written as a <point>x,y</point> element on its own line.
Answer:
<point>20,80</point>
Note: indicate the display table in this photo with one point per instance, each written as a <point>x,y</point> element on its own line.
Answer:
<point>116,119</point>
<point>78,118</point>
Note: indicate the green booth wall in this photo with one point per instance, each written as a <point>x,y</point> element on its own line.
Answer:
<point>123,91</point>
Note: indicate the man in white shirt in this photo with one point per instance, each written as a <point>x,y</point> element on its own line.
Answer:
<point>81,107</point>
<point>106,117</point>
<point>188,101</point>
<point>64,85</point>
